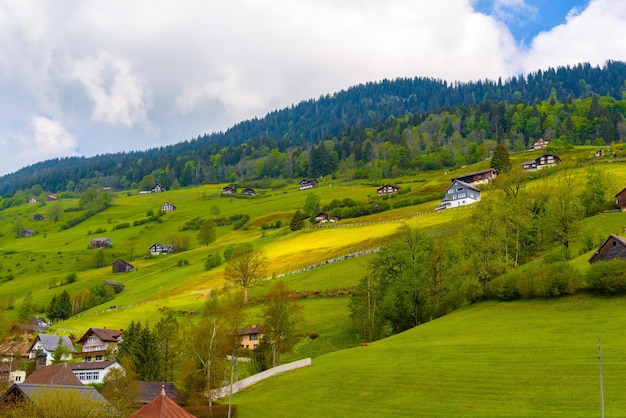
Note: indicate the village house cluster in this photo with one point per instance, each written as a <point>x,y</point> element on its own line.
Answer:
<point>80,369</point>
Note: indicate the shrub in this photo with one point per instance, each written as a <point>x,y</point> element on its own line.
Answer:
<point>122,225</point>
<point>607,277</point>
<point>212,261</point>
<point>559,279</point>
<point>505,287</point>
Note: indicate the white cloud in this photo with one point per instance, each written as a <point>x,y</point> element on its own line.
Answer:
<point>595,35</point>
<point>116,92</point>
<point>125,75</point>
<point>45,139</point>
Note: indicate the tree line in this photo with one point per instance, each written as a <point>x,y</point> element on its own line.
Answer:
<point>382,128</point>
<point>423,274</point>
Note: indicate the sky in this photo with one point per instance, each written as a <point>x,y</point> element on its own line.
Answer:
<point>88,77</point>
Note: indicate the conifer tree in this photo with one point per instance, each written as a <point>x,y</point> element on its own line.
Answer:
<point>500,160</point>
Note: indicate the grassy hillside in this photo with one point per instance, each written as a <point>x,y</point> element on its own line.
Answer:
<point>492,359</point>
<point>529,358</point>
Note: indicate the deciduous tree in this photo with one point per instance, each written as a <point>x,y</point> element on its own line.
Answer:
<point>281,313</point>
<point>206,233</point>
<point>245,266</point>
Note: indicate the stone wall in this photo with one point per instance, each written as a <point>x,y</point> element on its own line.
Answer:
<point>265,374</point>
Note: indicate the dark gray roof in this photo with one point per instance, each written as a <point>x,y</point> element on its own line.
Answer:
<point>31,391</point>
<point>469,186</point>
<point>50,341</point>
<point>92,365</point>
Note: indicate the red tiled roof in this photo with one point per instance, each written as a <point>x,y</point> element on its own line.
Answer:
<point>58,374</point>
<point>162,407</point>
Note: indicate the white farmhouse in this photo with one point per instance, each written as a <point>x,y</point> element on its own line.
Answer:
<point>459,194</point>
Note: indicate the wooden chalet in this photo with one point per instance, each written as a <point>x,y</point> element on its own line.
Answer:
<point>98,344</point>
<point>100,243</point>
<point>248,192</point>
<point>387,189</point>
<point>157,249</point>
<point>324,217</point>
<point>478,177</point>
<point>228,190</point>
<point>157,188</point>
<point>545,161</point>
<point>613,247</point>
<point>620,200</point>
<point>540,144</point>
<point>168,207</point>
<point>307,184</point>
<point>121,266</point>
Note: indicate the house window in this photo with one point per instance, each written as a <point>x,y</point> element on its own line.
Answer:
<point>88,358</point>
<point>459,189</point>
<point>18,378</point>
<point>254,337</point>
<point>88,376</point>
<point>614,243</point>
<point>99,358</point>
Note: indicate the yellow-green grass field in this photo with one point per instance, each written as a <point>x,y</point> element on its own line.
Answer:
<point>493,359</point>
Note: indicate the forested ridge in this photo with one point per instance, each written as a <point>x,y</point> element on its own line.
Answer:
<point>375,130</point>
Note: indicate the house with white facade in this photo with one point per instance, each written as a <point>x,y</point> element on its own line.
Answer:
<point>459,194</point>
<point>45,344</point>
<point>93,372</point>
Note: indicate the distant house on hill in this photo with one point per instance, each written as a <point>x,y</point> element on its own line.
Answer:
<point>248,192</point>
<point>545,161</point>
<point>103,242</point>
<point>25,232</point>
<point>540,144</point>
<point>32,200</point>
<point>478,177</point>
<point>121,266</point>
<point>167,207</point>
<point>117,286</point>
<point>323,217</point>
<point>51,198</point>
<point>387,189</point>
<point>599,153</point>
<point>459,194</point>
<point>250,337</point>
<point>228,190</point>
<point>307,184</point>
<point>613,247</point>
<point>157,188</point>
<point>157,248</point>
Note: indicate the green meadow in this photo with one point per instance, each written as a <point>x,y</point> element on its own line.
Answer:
<point>492,359</point>
<point>525,358</point>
